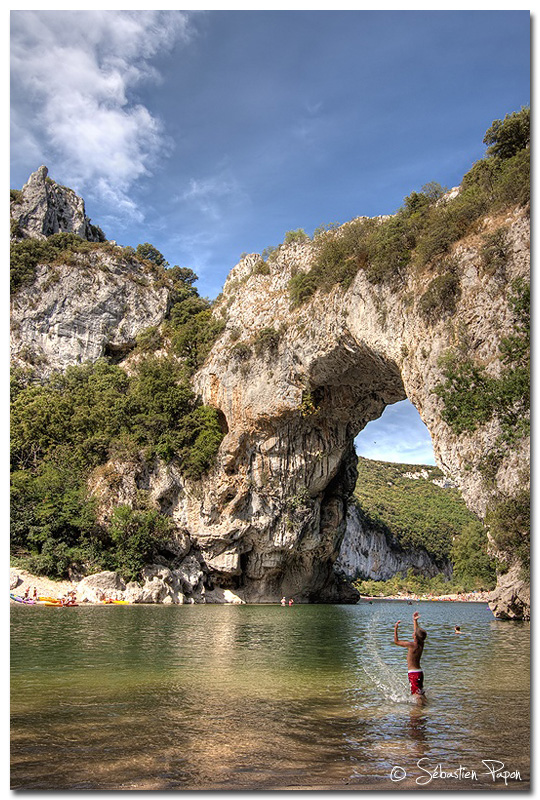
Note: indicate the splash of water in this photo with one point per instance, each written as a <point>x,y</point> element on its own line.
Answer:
<point>388,680</point>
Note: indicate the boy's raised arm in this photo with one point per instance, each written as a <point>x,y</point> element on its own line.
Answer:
<point>396,640</point>
<point>415,622</point>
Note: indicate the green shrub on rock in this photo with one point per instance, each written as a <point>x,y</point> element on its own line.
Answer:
<point>67,426</point>
<point>297,236</point>
<point>267,340</point>
<point>441,296</point>
<point>241,352</point>
<point>509,136</point>
<point>509,523</point>
<point>136,536</point>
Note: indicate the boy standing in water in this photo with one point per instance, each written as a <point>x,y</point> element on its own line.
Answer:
<point>414,653</point>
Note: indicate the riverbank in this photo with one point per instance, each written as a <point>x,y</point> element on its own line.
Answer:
<point>21,579</point>
<point>468,597</point>
<point>158,588</point>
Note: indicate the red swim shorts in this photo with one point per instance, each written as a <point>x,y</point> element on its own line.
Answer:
<point>416,679</point>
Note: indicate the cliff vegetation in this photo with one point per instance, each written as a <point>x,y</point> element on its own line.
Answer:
<point>65,426</point>
<point>424,229</point>
<point>415,506</point>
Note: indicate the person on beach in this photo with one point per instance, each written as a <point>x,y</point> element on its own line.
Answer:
<point>291,601</point>
<point>283,601</point>
<point>414,654</point>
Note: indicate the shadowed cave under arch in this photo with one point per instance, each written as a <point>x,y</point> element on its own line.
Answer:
<point>300,471</point>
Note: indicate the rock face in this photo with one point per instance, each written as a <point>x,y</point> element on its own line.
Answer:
<point>81,311</point>
<point>287,464</point>
<point>159,585</point>
<point>93,305</point>
<point>43,208</point>
<point>294,387</point>
<point>14,579</point>
<point>368,554</point>
<point>512,597</point>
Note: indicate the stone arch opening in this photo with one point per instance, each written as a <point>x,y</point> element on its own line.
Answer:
<point>287,465</point>
<point>348,388</point>
<point>399,435</point>
<point>299,473</point>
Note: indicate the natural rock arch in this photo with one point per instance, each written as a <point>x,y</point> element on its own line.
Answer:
<point>293,384</point>
<point>271,515</point>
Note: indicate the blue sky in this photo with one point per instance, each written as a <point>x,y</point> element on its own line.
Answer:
<point>399,435</point>
<point>210,134</point>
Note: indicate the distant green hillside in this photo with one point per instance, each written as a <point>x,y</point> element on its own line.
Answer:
<point>403,501</point>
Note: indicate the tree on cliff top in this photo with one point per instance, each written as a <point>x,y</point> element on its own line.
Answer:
<point>148,252</point>
<point>508,136</point>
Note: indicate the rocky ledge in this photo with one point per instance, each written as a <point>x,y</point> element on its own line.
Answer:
<point>159,585</point>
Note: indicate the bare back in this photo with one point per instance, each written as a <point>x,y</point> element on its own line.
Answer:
<point>414,648</point>
<point>414,653</point>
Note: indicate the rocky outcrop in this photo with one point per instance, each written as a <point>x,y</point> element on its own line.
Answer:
<point>14,579</point>
<point>286,466</point>
<point>512,597</point>
<point>159,584</point>
<point>89,304</point>
<point>43,208</point>
<point>119,483</point>
<point>94,306</point>
<point>369,554</point>
<point>99,586</point>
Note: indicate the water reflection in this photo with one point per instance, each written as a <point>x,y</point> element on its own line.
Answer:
<point>417,730</point>
<point>255,697</point>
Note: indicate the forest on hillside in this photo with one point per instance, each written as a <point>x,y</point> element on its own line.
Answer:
<point>404,502</point>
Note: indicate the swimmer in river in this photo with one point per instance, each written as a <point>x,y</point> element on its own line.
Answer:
<point>414,654</point>
<point>457,629</point>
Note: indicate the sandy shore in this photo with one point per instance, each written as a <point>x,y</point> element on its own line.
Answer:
<point>45,586</point>
<point>468,597</point>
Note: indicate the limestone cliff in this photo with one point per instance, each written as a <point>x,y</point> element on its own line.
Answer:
<point>370,554</point>
<point>43,208</point>
<point>94,306</point>
<point>294,384</point>
<point>83,305</point>
<point>293,408</point>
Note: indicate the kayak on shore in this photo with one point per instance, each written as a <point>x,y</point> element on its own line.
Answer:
<point>46,600</point>
<point>27,600</point>
<point>42,601</point>
<point>116,602</point>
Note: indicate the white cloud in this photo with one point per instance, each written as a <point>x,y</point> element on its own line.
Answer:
<point>72,77</point>
<point>211,194</point>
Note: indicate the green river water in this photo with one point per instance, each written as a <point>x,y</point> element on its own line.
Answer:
<point>265,697</point>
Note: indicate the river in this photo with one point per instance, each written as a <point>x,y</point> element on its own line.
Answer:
<point>265,697</point>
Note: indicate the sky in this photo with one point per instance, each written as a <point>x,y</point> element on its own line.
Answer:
<point>399,435</point>
<point>212,133</point>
